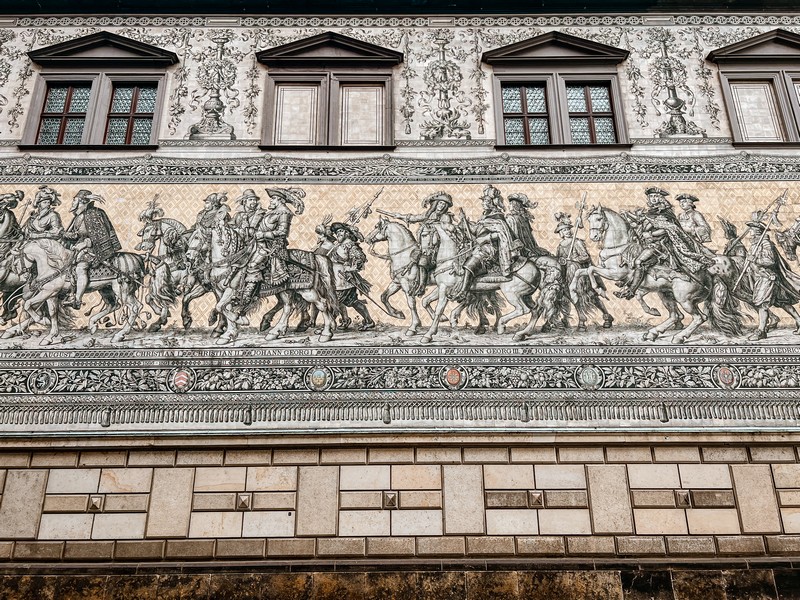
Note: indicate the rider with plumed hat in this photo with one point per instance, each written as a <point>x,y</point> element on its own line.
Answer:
<point>519,222</point>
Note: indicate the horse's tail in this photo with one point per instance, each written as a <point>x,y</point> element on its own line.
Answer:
<point>130,266</point>
<point>162,288</point>
<point>327,285</point>
<point>723,309</point>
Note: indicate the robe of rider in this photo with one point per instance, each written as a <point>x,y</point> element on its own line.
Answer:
<point>772,281</point>
<point>93,224</point>
<point>268,260</point>
<point>46,225</point>
<point>694,223</point>
<point>427,235</point>
<point>686,253</point>
<point>348,259</point>
<point>494,241</point>
<point>519,222</point>
<point>246,222</point>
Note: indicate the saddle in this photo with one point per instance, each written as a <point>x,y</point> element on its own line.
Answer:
<point>302,268</point>
<point>493,277</point>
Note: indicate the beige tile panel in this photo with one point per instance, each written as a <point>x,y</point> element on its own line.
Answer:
<point>216,524</point>
<point>439,455</point>
<point>269,524</point>
<point>511,521</point>
<point>390,546</point>
<point>317,501</point>
<point>170,502</point>
<point>786,475</point>
<point>756,496</point>
<point>582,455</point>
<point>274,501</point>
<point>741,544</point>
<point>610,499</point>
<point>566,499</point>
<point>565,521</point>
<point>705,476</point>
<point>151,458</point>
<point>214,502</point>
<point>724,454</point>
<point>304,456</point>
<point>653,476</point>
<point>220,479</point>
<point>560,477</point>
<point>343,456</point>
<point>485,455</point>
<point>271,479</point>
<point>417,522</point>
<point>789,497</point>
<point>199,457</point>
<point>773,454</point>
<point>463,499</point>
<point>367,523</point>
<point>65,527</point>
<point>629,454</point>
<point>248,457</point>
<point>73,481</point>
<point>123,526</point>
<point>416,477</point>
<point>341,547</point>
<point>22,503</point>
<point>361,477</point>
<point>684,454</point>
<point>660,521</point>
<point>791,520</point>
<point>489,545</point>
<point>441,546</point>
<point>125,481</point>
<point>126,503</point>
<point>391,455</point>
<point>54,459</point>
<point>541,545</point>
<point>508,477</point>
<point>14,459</point>
<point>713,521</point>
<point>533,455</point>
<point>102,459</point>
<point>372,500</point>
<point>653,498</point>
<point>420,499</point>
<point>508,499</point>
<point>67,503</point>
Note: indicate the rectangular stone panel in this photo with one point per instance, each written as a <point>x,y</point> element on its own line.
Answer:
<point>463,499</point>
<point>271,479</point>
<point>566,499</point>
<point>66,503</point>
<point>361,477</point>
<point>356,523</point>
<point>653,476</point>
<point>216,524</point>
<point>786,475</point>
<point>420,499</point>
<point>610,499</point>
<point>416,477</point>
<point>660,521</point>
<point>317,501</point>
<point>274,501</point>
<point>560,477</point>
<point>511,522</point>
<point>119,526</point>
<point>73,481</point>
<point>65,527</point>
<point>512,499</point>
<point>713,521</point>
<point>565,521</point>
<point>170,503</point>
<point>220,479</point>
<point>417,522</point>
<point>21,505</point>
<point>653,498</point>
<point>508,477</point>
<point>269,524</point>
<point>125,481</point>
<point>126,503</point>
<point>756,496</point>
<point>705,476</point>
<point>361,500</point>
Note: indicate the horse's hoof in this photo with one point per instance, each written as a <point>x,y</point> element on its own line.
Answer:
<point>118,338</point>
<point>501,329</point>
<point>411,331</point>
<point>519,337</point>
<point>187,323</point>
<point>650,336</point>
<point>46,341</point>
<point>242,321</point>
<point>679,339</point>
<point>580,328</point>
<point>480,330</point>
<point>154,328</point>
<point>608,322</point>
<point>426,339</point>
<point>301,328</point>
<point>796,331</point>
<point>270,337</point>
<point>325,338</point>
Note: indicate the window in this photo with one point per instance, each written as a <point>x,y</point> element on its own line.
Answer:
<point>329,91</point>
<point>760,79</point>
<point>99,90</point>
<point>556,89</point>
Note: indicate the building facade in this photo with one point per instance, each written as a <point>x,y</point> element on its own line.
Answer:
<point>389,306</point>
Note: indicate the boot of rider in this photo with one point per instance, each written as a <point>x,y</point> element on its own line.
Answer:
<point>459,293</point>
<point>637,277</point>
<point>248,295</point>
<point>363,312</point>
<point>422,281</point>
<point>81,283</point>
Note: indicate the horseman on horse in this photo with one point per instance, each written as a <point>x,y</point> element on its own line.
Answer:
<point>663,241</point>
<point>246,222</point>
<point>91,234</point>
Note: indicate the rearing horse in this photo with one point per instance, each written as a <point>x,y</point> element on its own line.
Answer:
<point>676,290</point>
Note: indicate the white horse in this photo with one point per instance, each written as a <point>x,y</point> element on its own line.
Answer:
<point>53,263</point>
<point>677,291</point>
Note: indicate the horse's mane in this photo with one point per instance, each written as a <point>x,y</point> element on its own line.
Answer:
<point>174,224</point>
<point>57,254</point>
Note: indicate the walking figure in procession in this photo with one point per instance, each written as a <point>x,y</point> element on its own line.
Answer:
<point>348,261</point>
<point>573,255</point>
<point>664,242</point>
<point>519,222</point>
<point>493,243</point>
<point>437,211</point>
<point>772,282</point>
<point>91,234</point>
<point>692,220</point>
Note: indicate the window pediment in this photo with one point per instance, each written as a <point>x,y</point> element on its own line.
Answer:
<point>102,49</point>
<point>329,49</point>
<point>554,46</point>
<point>777,44</point>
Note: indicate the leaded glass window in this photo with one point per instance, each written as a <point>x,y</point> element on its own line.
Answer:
<point>525,120</point>
<point>591,117</point>
<point>130,117</point>
<point>64,114</point>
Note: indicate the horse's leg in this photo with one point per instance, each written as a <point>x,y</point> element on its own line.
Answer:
<point>689,302</point>
<point>126,292</point>
<point>193,293</point>
<point>792,311</point>
<point>232,320</point>
<point>321,306</point>
<point>428,299</point>
<point>283,323</point>
<point>390,291</point>
<point>441,304</point>
<point>109,298</point>
<point>411,300</point>
<point>671,305</point>
<point>53,337</point>
<point>514,297</point>
<point>528,330</point>
<point>650,310</point>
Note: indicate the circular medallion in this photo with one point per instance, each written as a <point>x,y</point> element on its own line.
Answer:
<point>42,381</point>
<point>454,377</point>
<point>589,377</point>
<point>181,380</point>
<point>727,377</point>
<point>319,379</point>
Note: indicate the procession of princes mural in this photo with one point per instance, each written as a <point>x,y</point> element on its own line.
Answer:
<point>63,279</point>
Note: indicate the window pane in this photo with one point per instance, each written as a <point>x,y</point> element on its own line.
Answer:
<point>579,127</point>
<point>48,133</point>
<point>361,121</point>
<point>512,100</point>
<point>604,130</point>
<point>141,131</point>
<point>80,100</point>
<point>147,100</point>
<point>601,101</point>
<point>296,113</point>
<point>56,96</point>
<point>757,111</point>
<point>514,132</point>
<point>117,128</point>
<point>540,133</point>
<point>576,98</point>
<point>534,96</point>
<point>73,131</point>
<point>122,100</point>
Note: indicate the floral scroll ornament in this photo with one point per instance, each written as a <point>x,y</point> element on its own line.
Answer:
<point>669,75</point>
<point>217,77</point>
<point>443,78</point>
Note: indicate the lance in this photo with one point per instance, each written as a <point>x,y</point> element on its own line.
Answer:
<point>354,215</point>
<point>578,225</point>
<point>778,202</point>
<point>741,236</point>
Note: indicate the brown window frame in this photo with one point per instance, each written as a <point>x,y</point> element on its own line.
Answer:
<point>65,114</point>
<point>591,113</point>
<point>525,115</point>
<point>132,114</point>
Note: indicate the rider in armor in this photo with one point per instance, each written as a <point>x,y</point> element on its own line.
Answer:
<point>692,221</point>
<point>348,259</point>
<point>245,222</point>
<point>91,234</point>
<point>267,260</point>
<point>519,222</point>
<point>494,243</point>
<point>214,208</point>
<point>437,207</point>
<point>44,222</point>
<point>663,241</point>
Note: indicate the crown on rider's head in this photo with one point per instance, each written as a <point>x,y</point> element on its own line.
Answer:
<point>656,190</point>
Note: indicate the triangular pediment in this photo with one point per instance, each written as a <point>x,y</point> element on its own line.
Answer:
<point>553,47</point>
<point>777,44</point>
<point>102,49</point>
<point>329,49</point>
